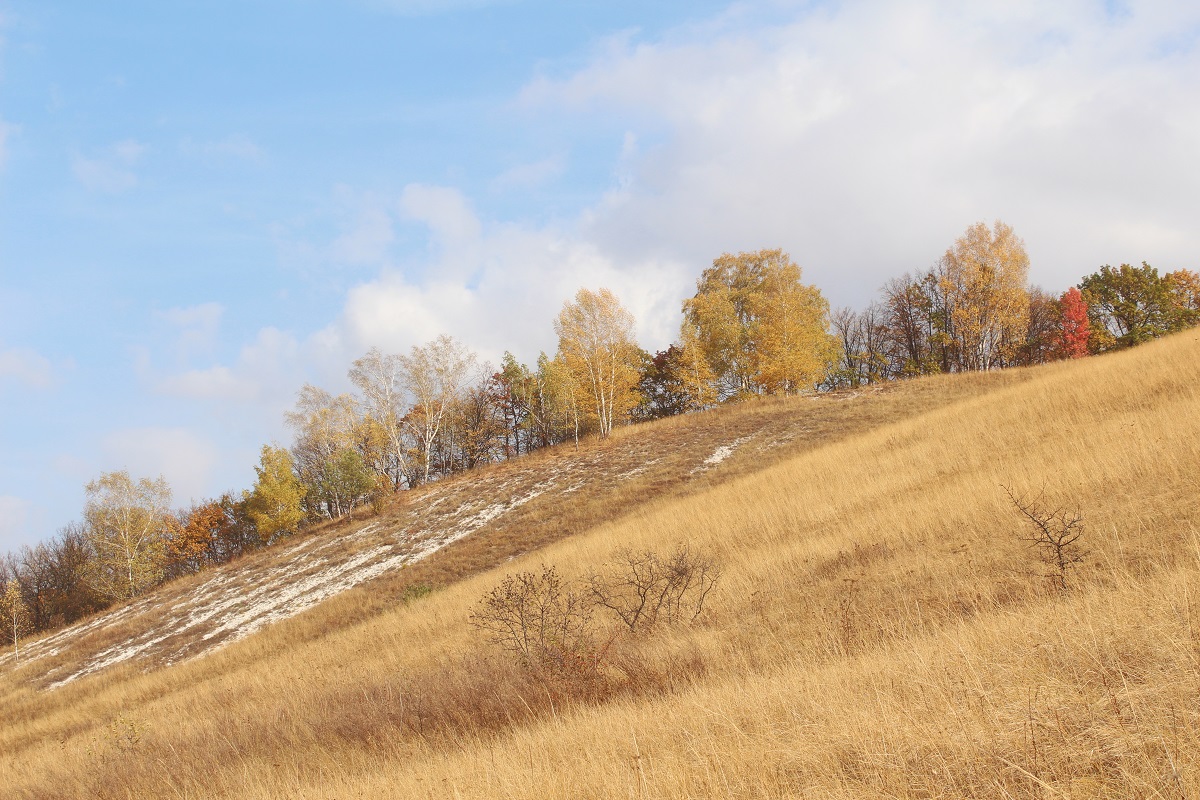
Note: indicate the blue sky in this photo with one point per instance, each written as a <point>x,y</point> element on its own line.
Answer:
<point>204,205</point>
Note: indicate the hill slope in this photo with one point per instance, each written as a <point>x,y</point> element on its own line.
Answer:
<point>880,627</point>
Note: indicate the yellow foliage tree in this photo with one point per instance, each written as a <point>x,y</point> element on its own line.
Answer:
<point>275,506</point>
<point>597,349</point>
<point>758,329</point>
<point>983,281</point>
<point>128,526</point>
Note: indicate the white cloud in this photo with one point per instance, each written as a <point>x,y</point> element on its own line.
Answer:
<point>496,287</point>
<point>25,367</point>
<point>182,457</point>
<point>111,171</point>
<point>864,137</point>
<point>265,372</point>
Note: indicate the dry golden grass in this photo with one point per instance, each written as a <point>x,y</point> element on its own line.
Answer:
<point>880,630</point>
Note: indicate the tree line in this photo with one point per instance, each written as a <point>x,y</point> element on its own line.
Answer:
<point>752,329</point>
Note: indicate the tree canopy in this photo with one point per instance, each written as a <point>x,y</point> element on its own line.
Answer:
<point>756,328</point>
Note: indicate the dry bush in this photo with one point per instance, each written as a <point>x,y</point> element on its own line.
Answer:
<point>643,588</point>
<point>1055,537</point>
<point>542,620</point>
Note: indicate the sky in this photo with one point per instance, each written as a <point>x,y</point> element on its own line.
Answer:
<point>205,204</point>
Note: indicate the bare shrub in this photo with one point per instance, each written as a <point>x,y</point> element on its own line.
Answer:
<point>542,620</point>
<point>1055,537</point>
<point>643,588</point>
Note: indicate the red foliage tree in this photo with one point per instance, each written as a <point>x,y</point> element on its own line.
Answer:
<point>1073,324</point>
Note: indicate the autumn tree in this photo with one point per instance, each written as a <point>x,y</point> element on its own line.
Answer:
<point>1074,329</point>
<point>760,330</point>
<point>662,385</point>
<point>982,280</point>
<point>127,528</point>
<point>1043,330</point>
<point>325,426</point>
<point>381,378</point>
<point>434,375</point>
<point>275,506</point>
<point>563,399</point>
<point>863,345</point>
<point>599,354</point>
<point>914,325</point>
<point>54,580</point>
<point>14,615</point>
<point>1183,287</point>
<point>512,389</point>
<point>478,424</point>
<point>32,570</point>
<point>207,533</point>
<point>696,377</point>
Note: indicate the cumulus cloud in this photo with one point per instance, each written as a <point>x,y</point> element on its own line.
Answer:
<point>264,372</point>
<point>185,459</point>
<point>110,171</point>
<point>495,286</point>
<point>27,368</point>
<point>864,137</point>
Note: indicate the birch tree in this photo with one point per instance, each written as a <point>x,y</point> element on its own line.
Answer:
<point>381,379</point>
<point>597,347</point>
<point>128,524</point>
<point>434,376</point>
<point>14,614</point>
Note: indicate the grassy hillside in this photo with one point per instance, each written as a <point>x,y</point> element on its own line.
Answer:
<point>880,629</point>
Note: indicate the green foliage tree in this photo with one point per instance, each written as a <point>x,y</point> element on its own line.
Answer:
<point>128,526</point>
<point>345,482</point>
<point>1127,306</point>
<point>275,505</point>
